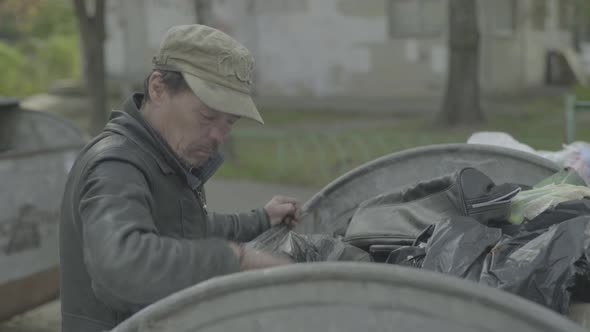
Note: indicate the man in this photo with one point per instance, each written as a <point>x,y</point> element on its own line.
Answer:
<point>135,227</point>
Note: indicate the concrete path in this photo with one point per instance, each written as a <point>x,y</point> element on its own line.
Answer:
<point>222,196</point>
<point>238,196</point>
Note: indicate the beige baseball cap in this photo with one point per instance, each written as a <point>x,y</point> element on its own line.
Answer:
<point>217,68</point>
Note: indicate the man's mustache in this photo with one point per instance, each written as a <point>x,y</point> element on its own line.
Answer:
<point>209,149</point>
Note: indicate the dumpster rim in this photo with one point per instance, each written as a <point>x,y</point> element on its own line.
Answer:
<point>59,118</point>
<point>398,276</point>
<point>83,138</point>
<point>404,154</point>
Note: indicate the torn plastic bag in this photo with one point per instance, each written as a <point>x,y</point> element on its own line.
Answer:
<point>553,216</point>
<point>575,155</point>
<point>563,186</point>
<point>407,256</point>
<point>497,138</point>
<point>565,176</point>
<point>541,265</point>
<point>412,256</point>
<point>307,248</point>
<point>458,245</point>
<point>581,289</point>
<point>529,204</point>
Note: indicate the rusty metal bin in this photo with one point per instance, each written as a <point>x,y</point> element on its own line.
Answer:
<point>36,152</point>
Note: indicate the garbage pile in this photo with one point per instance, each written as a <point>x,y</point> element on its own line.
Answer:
<point>530,241</point>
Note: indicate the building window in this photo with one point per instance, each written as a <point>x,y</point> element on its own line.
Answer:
<point>566,14</point>
<point>539,14</point>
<point>416,18</point>
<point>503,16</point>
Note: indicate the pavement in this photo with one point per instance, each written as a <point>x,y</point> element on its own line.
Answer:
<point>222,196</point>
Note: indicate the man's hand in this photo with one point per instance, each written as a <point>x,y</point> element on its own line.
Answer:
<point>251,259</point>
<point>282,209</point>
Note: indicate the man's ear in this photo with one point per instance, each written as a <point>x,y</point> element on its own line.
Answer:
<point>156,88</point>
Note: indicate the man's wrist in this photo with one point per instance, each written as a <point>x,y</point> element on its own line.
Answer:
<point>265,218</point>
<point>239,252</point>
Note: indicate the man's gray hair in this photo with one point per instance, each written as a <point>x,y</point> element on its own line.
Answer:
<point>173,80</point>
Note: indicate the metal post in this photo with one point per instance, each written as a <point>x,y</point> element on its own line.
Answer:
<point>570,118</point>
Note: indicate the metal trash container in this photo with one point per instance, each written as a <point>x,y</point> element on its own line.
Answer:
<point>342,297</point>
<point>359,296</point>
<point>329,210</point>
<point>36,152</point>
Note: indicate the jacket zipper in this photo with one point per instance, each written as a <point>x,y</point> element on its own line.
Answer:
<point>202,202</point>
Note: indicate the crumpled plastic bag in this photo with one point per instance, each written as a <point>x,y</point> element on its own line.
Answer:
<point>412,256</point>
<point>543,265</point>
<point>561,187</point>
<point>580,291</point>
<point>307,248</point>
<point>407,256</point>
<point>498,138</point>
<point>470,241</point>
<point>565,176</point>
<point>575,156</point>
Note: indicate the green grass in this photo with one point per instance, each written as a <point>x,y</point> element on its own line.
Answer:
<point>292,118</point>
<point>287,151</point>
<point>313,148</point>
<point>582,92</point>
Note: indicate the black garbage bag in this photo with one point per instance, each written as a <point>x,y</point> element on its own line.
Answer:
<point>559,236</point>
<point>307,248</point>
<point>407,256</point>
<point>414,255</point>
<point>540,265</point>
<point>543,265</point>
<point>581,289</point>
<point>459,246</point>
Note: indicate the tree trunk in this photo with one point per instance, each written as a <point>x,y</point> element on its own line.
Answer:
<point>203,11</point>
<point>92,31</point>
<point>461,102</point>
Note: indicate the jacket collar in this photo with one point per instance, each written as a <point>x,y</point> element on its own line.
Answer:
<point>130,123</point>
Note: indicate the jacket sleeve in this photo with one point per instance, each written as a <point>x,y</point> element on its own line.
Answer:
<point>242,227</point>
<point>130,264</point>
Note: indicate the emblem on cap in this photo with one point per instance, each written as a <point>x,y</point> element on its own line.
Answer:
<point>238,63</point>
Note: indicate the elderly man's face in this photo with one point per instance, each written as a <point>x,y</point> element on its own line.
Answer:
<point>192,129</point>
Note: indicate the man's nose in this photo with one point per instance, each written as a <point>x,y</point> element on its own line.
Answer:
<point>218,135</point>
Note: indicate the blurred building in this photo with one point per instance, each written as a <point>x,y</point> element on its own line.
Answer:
<point>349,52</point>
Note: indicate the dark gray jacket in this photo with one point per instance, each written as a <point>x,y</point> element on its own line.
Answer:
<point>134,226</point>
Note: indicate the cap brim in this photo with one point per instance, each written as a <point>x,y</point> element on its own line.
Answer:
<point>222,99</point>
